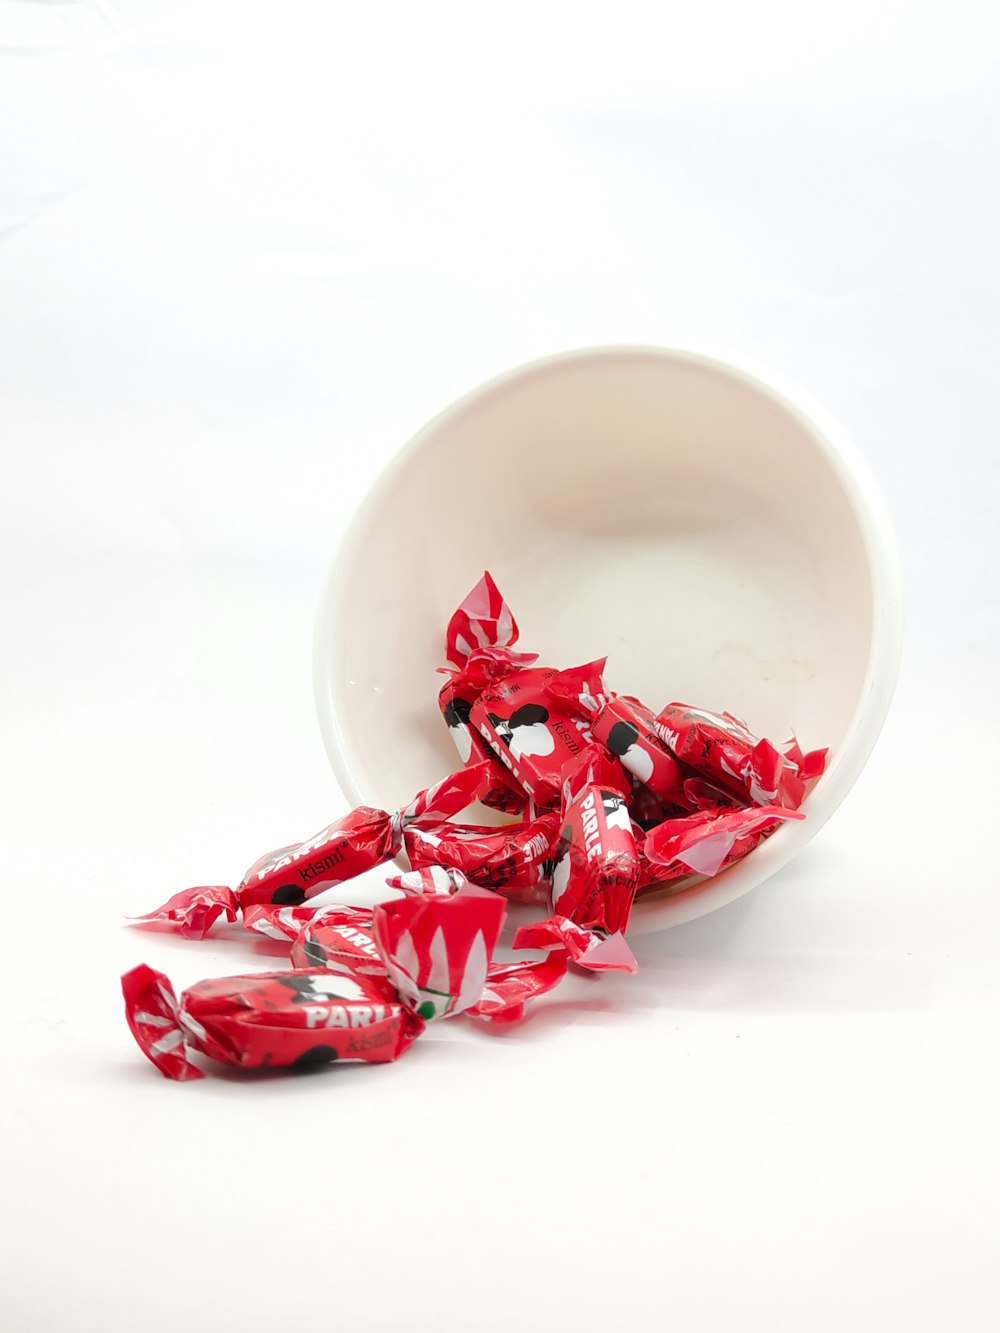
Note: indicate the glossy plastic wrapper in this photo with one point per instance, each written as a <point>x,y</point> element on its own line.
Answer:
<point>607,800</point>
<point>358,842</point>
<point>722,749</point>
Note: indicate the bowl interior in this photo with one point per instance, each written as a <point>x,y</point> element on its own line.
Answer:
<point>668,511</point>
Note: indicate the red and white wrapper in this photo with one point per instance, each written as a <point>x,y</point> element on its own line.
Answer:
<point>422,958</point>
<point>707,842</point>
<point>722,749</point>
<point>483,620</point>
<point>589,949</point>
<point>624,726</point>
<point>535,733</point>
<point>612,801</point>
<point>437,950</point>
<point>270,1020</point>
<point>193,912</point>
<point>344,849</point>
<point>500,791</point>
<point>427,880</point>
<point>597,867</point>
<point>345,940</point>
<point>509,986</point>
<point>479,640</point>
<point>596,870</point>
<point>514,860</point>
<point>287,923</point>
<point>653,875</point>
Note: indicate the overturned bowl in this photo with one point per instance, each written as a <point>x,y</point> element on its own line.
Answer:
<point>716,537</point>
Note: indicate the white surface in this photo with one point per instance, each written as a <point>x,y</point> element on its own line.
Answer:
<point>718,540</point>
<point>246,252</point>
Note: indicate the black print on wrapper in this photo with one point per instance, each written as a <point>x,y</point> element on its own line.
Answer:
<point>317,989</point>
<point>616,810</point>
<point>622,742</point>
<point>314,1058</point>
<point>561,866</point>
<point>525,731</point>
<point>456,714</point>
<point>314,953</point>
<point>288,895</point>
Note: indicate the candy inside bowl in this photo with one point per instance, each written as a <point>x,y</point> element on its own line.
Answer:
<point>719,541</point>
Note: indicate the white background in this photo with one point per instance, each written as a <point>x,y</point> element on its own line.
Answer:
<point>245,250</point>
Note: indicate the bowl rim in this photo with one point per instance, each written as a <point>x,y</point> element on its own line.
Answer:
<point>884,569</point>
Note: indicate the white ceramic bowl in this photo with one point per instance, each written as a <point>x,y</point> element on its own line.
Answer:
<point>719,539</point>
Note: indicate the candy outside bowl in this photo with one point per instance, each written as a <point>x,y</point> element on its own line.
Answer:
<point>702,525</point>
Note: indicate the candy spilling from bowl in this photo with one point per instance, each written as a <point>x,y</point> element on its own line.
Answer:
<point>607,801</point>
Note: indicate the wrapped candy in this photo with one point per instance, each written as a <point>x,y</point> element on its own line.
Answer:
<point>596,868</point>
<point>533,731</point>
<point>479,640</point>
<point>611,801</point>
<point>594,878</point>
<point>500,791</point>
<point>721,748</point>
<point>269,1020</point>
<point>346,848</point>
<point>513,860</point>
<point>350,945</point>
<point>625,726</point>
<point>426,958</point>
<point>495,702</point>
<point>437,950</point>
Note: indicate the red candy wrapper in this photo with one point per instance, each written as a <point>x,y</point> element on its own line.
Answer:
<point>437,950</point>
<point>348,847</point>
<point>514,860</point>
<point>587,948</point>
<point>509,986</point>
<point>429,879</point>
<point>479,640</point>
<point>272,1020</point>
<point>288,923</point>
<point>706,842</point>
<point>597,868</point>
<point>721,748</point>
<point>343,939</point>
<point>495,701</point>
<point>612,800</point>
<point>500,790</point>
<point>483,620</point>
<point>652,874</point>
<point>193,912</point>
<point>534,732</point>
<point>425,958</point>
<point>626,727</point>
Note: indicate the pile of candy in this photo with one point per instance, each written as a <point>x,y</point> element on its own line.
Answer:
<point>610,800</point>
